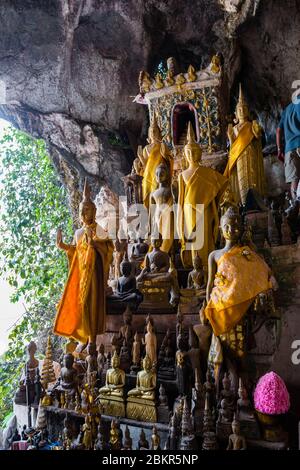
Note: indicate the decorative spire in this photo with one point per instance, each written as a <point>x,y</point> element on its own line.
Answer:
<point>190,138</point>
<point>242,107</point>
<point>155,130</point>
<point>48,374</point>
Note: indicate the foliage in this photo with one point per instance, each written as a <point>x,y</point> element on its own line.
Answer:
<point>33,205</point>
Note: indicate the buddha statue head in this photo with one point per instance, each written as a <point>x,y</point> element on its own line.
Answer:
<point>87,209</point>
<point>192,150</point>
<point>115,361</point>
<point>147,363</point>
<point>68,360</point>
<point>125,268</point>
<point>235,425</point>
<point>154,134</point>
<point>242,110</point>
<point>231,224</point>
<point>162,173</point>
<point>197,263</point>
<point>156,241</point>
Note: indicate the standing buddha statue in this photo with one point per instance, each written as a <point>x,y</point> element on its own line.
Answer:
<point>245,166</point>
<point>199,189</point>
<point>82,310</point>
<point>153,154</point>
<point>161,203</point>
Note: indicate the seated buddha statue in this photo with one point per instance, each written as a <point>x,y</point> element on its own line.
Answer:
<point>111,396</point>
<point>68,380</point>
<point>141,399</point>
<point>115,380</point>
<point>127,292</point>
<point>158,280</point>
<point>138,252</point>
<point>236,275</point>
<point>196,278</point>
<point>145,382</point>
<point>199,191</point>
<point>157,262</point>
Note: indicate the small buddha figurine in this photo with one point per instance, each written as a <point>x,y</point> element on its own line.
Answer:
<point>126,287</point>
<point>127,439</point>
<point>101,359</point>
<point>236,441</point>
<point>115,380</point>
<point>166,358</point>
<point>158,81</point>
<point>150,343</point>
<point>143,443</point>
<point>156,261</point>
<point>85,399</point>
<point>169,81</point>
<point>183,368</point>
<point>245,166</point>
<point>139,250</point>
<point>114,436</point>
<point>192,76</point>
<point>126,330</point>
<point>194,351</point>
<point>227,401</point>
<point>155,439</point>
<point>244,408</point>
<point>68,380</point>
<point>196,278</point>
<point>100,441</point>
<point>91,361</point>
<point>161,205</point>
<point>136,352</point>
<point>87,433</point>
<point>145,382</point>
<point>120,254</point>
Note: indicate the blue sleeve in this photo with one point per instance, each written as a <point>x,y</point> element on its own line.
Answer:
<point>281,122</point>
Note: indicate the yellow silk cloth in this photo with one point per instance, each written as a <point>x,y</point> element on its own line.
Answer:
<point>82,309</point>
<point>205,187</point>
<point>242,141</point>
<point>149,183</point>
<point>241,275</point>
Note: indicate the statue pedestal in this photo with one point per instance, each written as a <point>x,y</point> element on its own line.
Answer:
<point>191,300</point>
<point>141,409</point>
<point>156,296</point>
<point>113,406</point>
<point>163,414</point>
<point>223,430</point>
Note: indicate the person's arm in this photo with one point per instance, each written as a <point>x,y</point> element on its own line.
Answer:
<point>280,137</point>
<point>212,269</point>
<point>279,144</point>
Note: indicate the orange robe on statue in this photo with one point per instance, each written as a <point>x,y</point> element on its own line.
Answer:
<point>82,309</point>
<point>241,275</point>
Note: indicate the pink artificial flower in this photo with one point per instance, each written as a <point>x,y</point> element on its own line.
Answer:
<point>271,396</point>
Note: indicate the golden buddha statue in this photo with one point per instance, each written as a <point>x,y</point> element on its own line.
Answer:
<point>150,343</point>
<point>158,81</point>
<point>192,76</point>
<point>162,204</point>
<point>141,399</point>
<point>153,154</point>
<point>199,189</point>
<point>236,275</point>
<point>111,396</point>
<point>82,310</point>
<point>245,166</point>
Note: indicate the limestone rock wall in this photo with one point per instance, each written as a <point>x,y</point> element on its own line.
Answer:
<point>66,64</point>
